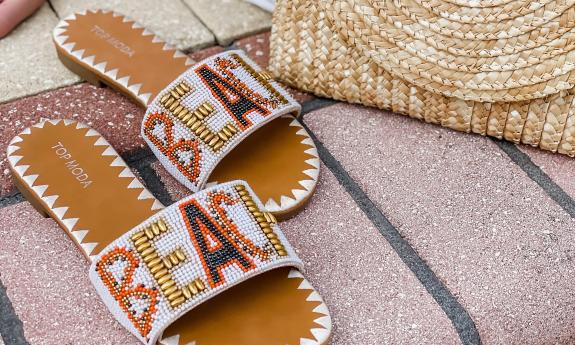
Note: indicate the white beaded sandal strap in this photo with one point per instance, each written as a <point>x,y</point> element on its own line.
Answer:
<point>208,110</point>
<point>186,254</point>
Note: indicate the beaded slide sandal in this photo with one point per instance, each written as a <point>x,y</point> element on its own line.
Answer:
<point>208,122</point>
<point>172,279</point>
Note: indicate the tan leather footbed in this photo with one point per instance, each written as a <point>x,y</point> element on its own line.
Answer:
<point>272,160</point>
<point>266,310</point>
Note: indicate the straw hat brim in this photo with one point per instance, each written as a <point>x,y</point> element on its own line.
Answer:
<point>510,51</point>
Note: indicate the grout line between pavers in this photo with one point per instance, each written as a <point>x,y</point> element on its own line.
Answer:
<point>53,9</point>
<point>536,174</point>
<point>139,156</point>
<point>193,13</point>
<point>151,179</point>
<point>11,199</point>
<point>11,328</point>
<point>315,104</point>
<point>460,318</point>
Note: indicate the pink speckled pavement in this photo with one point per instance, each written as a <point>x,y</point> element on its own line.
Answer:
<point>416,235</point>
<point>496,239</point>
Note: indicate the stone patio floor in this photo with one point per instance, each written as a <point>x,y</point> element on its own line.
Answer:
<point>416,235</point>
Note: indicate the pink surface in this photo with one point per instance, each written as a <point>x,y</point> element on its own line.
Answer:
<point>46,279</point>
<point>373,297</point>
<point>499,243</point>
<point>14,12</point>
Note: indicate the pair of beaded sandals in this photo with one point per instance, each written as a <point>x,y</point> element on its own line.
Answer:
<point>212,268</point>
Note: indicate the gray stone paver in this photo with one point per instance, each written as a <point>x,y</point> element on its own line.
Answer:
<point>28,60</point>
<point>172,20</point>
<point>230,19</point>
<point>491,234</point>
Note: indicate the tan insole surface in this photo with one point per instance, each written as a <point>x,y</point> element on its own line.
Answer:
<point>272,161</point>
<point>269,309</point>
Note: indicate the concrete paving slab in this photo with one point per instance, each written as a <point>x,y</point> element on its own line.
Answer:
<point>28,60</point>
<point>497,241</point>
<point>372,295</point>
<point>171,20</point>
<point>230,19</point>
<point>103,109</point>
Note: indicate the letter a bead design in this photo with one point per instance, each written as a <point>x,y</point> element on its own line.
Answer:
<point>185,254</point>
<point>203,114</point>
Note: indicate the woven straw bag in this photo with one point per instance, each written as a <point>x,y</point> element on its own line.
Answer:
<point>503,68</point>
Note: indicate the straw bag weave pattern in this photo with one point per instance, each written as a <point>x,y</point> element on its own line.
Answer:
<point>503,68</point>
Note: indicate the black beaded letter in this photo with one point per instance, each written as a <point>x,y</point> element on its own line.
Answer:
<point>237,104</point>
<point>224,254</point>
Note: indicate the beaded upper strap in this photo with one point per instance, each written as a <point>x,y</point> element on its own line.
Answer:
<point>186,254</point>
<point>208,110</point>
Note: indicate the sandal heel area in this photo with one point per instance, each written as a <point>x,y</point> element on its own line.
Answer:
<point>82,72</point>
<point>29,197</point>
